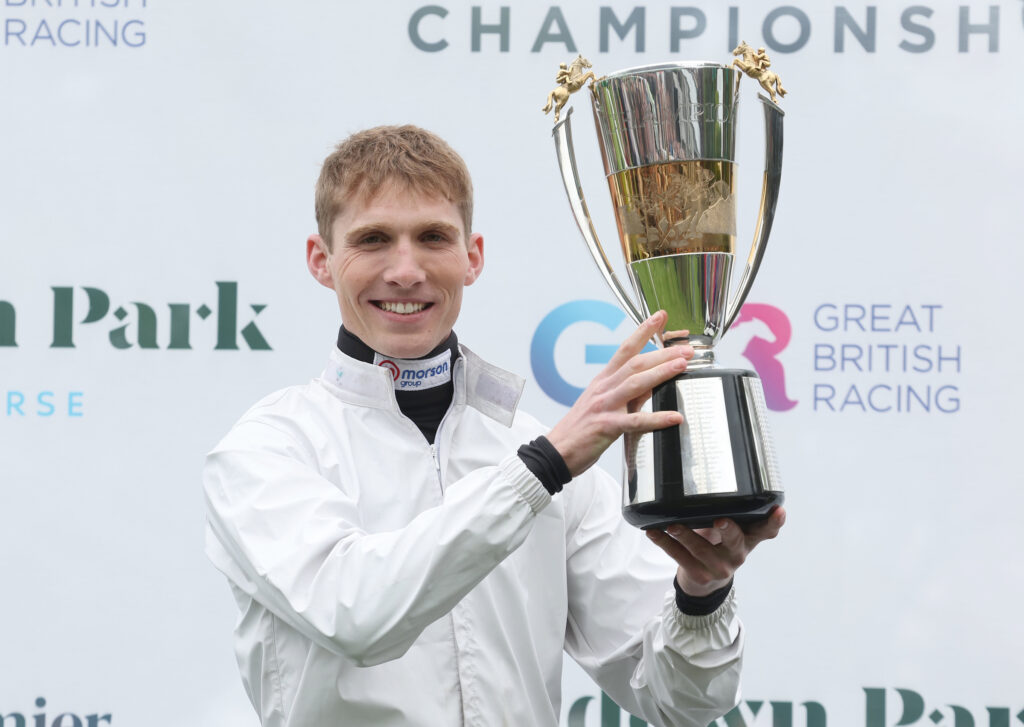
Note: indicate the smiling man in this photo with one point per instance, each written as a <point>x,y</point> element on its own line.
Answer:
<point>406,547</point>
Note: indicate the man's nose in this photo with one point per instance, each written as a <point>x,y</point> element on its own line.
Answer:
<point>404,267</point>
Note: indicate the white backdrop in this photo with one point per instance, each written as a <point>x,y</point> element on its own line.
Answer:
<point>163,155</point>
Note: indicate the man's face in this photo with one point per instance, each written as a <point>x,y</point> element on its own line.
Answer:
<point>398,265</point>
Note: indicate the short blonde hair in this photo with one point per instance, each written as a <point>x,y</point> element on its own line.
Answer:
<point>365,162</point>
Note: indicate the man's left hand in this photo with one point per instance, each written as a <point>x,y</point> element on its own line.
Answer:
<point>708,557</point>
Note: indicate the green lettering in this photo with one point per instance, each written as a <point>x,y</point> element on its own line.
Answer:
<point>179,326</point>
<point>7,324</point>
<point>63,313</point>
<point>578,712</point>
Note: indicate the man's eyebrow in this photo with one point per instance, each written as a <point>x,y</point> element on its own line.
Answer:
<point>440,226</point>
<point>363,230</point>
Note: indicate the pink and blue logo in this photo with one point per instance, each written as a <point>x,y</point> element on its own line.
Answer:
<point>762,353</point>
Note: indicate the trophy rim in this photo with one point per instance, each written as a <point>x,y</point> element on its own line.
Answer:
<point>689,65</point>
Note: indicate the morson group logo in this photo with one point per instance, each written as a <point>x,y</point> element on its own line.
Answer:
<point>410,374</point>
<point>762,353</point>
<point>392,367</point>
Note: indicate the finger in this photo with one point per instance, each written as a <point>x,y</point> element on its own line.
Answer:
<point>719,561</point>
<point>636,340</point>
<point>650,359</point>
<point>652,369</point>
<point>712,535</point>
<point>640,382</point>
<point>683,557</point>
<point>731,535</point>
<point>637,404</point>
<point>767,528</point>
<point>648,421</point>
<point>667,354</point>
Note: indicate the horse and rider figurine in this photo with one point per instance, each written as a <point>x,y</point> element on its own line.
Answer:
<point>755,64</point>
<point>570,79</point>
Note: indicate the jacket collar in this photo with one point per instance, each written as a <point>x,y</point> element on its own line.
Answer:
<point>485,387</point>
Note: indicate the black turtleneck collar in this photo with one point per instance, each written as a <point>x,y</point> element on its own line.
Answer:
<point>425,408</point>
<point>352,346</point>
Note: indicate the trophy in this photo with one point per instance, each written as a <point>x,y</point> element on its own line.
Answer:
<point>667,137</point>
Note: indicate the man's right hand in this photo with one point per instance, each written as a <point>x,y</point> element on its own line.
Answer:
<point>610,405</point>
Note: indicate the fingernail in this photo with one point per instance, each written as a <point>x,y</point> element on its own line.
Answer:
<point>724,525</point>
<point>674,529</point>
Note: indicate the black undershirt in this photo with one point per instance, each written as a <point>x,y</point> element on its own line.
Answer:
<point>427,408</point>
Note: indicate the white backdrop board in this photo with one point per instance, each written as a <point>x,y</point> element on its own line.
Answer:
<point>158,160</point>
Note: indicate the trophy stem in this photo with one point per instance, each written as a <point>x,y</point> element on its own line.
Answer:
<point>703,358</point>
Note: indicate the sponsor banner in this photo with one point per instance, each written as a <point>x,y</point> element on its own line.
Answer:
<point>160,159</point>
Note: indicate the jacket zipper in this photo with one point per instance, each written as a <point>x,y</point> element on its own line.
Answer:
<point>435,453</point>
<point>435,449</point>
<point>437,463</point>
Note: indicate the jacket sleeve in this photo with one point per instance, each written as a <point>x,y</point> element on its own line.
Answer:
<point>624,628</point>
<point>290,539</point>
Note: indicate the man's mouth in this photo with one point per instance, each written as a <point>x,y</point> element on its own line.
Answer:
<point>402,308</point>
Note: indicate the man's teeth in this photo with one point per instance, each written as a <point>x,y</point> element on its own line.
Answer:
<point>404,308</point>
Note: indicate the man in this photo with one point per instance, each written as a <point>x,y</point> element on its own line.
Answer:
<point>417,555</point>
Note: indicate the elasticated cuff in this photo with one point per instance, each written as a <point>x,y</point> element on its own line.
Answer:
<point>546,463</point>
<point>701,605</point>
<point>525,482</point>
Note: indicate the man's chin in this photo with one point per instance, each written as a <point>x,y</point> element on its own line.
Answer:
<point>408,347</point>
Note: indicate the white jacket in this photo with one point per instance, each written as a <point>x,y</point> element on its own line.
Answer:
<point>385,581</point>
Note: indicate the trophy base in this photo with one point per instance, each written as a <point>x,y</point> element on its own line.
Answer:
<point>719,463</point>
<point>701,511</point>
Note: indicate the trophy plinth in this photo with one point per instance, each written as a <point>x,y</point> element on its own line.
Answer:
<point>667,139</point>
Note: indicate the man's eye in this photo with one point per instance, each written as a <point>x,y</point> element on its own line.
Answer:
<point>434,237</point>
<point>371,239</point>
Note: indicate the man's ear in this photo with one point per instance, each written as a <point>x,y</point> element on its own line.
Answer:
<point>316,260</point>
<point>475,248</point>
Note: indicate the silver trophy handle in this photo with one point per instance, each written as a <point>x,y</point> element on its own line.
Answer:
<point>769,197</point>
<point>562,134</point>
